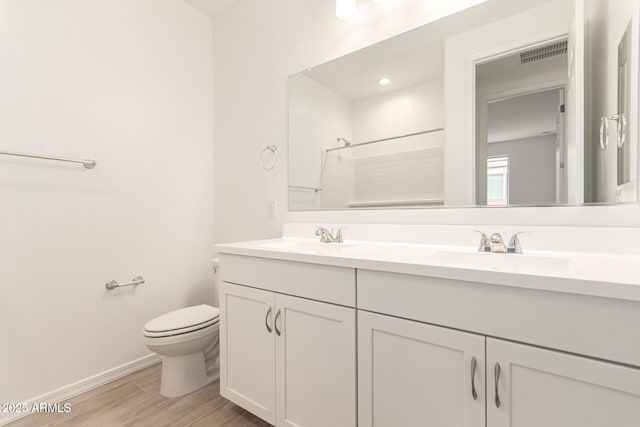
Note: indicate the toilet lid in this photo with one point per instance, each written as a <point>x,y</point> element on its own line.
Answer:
<point>189,317</point>
<point>210,324</point>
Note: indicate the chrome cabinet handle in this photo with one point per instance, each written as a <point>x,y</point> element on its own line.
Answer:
<point>266,320</point>
<point>275,323</point>
<point>497,377</point>
<point>474,365</point>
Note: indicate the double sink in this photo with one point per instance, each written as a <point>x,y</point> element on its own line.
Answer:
<point>431,255</point>
<point>586,273</point>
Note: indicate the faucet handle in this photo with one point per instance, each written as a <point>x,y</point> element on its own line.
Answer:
<point>324,234</point>
<point>338,237</point>
<point>515,247</point>
<point>485,244</point>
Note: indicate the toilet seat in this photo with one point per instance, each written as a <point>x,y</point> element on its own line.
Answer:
<point>183,321</point>
<point>182,331</point>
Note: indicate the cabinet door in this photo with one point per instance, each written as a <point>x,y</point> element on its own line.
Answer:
<point>247,349</point>
<point>537,387</point>
<point>315,363</point>
<point>413,374</point>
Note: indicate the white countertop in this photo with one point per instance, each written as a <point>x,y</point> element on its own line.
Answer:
<point>602,275</point>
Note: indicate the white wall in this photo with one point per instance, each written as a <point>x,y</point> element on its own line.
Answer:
<point>317,117</point>
<point>532,169</point>
<point>400,112</point>
<point>257,45</point>
<point>127,83</point>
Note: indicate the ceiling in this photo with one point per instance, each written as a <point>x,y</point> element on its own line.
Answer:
<point>524,116</point>
<point>209,7</point>
<point>411,58</point>
<point>356,78</point>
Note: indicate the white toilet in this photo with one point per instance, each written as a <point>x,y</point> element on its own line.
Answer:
<point>188,341</point>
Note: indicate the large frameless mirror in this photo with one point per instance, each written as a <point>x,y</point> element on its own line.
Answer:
<point>528,103</point>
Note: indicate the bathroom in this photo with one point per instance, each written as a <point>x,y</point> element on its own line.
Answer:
<point>191,111</point>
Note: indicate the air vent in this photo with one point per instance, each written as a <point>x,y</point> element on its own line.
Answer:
<point>544,52</point>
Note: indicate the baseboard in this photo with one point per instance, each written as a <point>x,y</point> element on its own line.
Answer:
<point>71,390</point>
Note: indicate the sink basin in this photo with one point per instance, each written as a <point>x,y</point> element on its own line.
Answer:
<point>509,262</point>
<point>305,246</point>
<point>385,252</point>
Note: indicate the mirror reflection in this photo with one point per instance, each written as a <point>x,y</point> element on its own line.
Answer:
<point>520,127</point>
<point>505,103</point>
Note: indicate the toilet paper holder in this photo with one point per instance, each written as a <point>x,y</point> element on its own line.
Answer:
<point>112,284</point>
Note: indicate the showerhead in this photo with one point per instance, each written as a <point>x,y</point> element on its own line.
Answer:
<point>346,143</point>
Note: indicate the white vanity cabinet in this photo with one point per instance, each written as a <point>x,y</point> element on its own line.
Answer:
<point>531,387</point>
<point>287,359</point>
<point>247,349</point>
<point>315,363</point>
<point>299,349</point>
<point>411,373</point>
<point>414,374</point>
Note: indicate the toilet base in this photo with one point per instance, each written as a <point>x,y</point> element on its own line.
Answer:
<point>184,374</point>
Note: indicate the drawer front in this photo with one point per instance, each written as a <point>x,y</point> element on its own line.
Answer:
<point>599,327</point>
<point>335,285</point>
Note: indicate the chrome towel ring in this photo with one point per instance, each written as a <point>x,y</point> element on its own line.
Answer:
<point>621,130</point>
<point>264,160</point>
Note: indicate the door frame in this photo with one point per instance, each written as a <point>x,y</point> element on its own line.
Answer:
<point>481,143</point>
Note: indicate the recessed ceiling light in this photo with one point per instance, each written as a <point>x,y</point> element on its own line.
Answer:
<point>384,81</point>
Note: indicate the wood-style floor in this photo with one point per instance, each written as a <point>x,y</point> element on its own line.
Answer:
<point>135,400</point>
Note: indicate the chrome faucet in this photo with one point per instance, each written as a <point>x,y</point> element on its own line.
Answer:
<point>496,244</point>
<point>326,236</point>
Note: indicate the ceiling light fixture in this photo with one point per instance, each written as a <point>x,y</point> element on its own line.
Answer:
<point>384,81</point>
<point>345,9</point>
<point>378,1</point>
